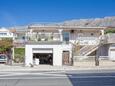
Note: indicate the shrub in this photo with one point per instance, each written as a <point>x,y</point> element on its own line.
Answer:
<point>19,54</point>
<point>110,31</point>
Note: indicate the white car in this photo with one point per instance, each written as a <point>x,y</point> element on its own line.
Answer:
<point>3,58</point>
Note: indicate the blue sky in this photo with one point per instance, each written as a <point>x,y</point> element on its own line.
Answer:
<point>21,12</point>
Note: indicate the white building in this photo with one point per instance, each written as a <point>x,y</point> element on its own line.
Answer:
<point>57,45</point>
<point>61,45</point>
<point>5,33</point>
<point>111,46</point>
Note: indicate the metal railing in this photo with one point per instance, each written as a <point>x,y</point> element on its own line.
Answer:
<point>44,37</point>
<point>87,49</point>
<point>87,38</point>
<point>89,58</point>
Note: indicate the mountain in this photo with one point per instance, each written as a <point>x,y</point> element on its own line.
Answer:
<point>93,22</point>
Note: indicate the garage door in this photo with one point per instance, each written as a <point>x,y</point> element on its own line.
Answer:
<point>42,50</point>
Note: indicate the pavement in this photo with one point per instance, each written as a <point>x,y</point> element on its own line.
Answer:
<point>47,75</point>
<point>21,67</point>
<point>58,78</point>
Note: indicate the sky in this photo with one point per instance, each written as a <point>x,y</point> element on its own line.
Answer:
<point>23,12</point>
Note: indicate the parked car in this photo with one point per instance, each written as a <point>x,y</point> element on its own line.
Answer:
<point>3,58</point>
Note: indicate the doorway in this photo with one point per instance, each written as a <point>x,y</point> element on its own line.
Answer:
<point>65,57</point>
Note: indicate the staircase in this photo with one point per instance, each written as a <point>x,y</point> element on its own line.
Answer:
<point>87,49</point>
<point>84,50</point>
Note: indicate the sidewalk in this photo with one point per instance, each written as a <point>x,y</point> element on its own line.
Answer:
<point>54,68</point>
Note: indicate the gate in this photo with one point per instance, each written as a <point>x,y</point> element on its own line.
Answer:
<point>65,58</point>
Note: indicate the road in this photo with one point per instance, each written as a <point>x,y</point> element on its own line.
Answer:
<point>58,78</point>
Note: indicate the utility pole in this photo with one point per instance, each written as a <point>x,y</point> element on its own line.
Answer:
<point>97,57</point>
<point>101,42</point>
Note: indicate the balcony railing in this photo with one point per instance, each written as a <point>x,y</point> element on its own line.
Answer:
<point>44,37</point>
<point>88,40</point>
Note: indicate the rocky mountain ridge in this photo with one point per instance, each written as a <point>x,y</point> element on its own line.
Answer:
<point>93,22</point>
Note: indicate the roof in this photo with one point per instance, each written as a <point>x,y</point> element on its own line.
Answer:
<point>4,29</point>
<point>44,27</point>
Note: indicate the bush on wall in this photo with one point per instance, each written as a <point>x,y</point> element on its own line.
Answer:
<point>19,54</point>
<point>110,31</point>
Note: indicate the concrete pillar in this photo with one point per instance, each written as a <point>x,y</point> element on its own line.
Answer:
<point>61,35</point>
<point>57,56</point>
<point>13,38</point>
<point>102,32</point>
<point>31,32</point>
<point>28,56</point>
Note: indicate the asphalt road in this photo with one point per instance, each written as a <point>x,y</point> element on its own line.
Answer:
<point>58,78</point>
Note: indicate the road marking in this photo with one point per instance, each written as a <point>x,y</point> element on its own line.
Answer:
<point>33,78</point>
<point>47,76</point>
<point>60,77</point>
<point>43,74</point>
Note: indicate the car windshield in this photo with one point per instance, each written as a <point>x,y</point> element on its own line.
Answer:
<point>2,56</point>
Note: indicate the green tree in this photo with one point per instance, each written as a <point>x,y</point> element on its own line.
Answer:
<point>5,44</point>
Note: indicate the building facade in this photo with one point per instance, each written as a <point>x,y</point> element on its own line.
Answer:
<point>5,33</point>
<point>63,45</point>
<point>57,45</point>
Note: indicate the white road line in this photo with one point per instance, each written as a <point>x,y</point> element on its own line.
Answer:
<point>63,77</point>
<point>33,78</point>
<point>43,74</point>
<point>36,72</point>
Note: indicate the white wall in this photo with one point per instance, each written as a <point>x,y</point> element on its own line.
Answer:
<point>57,53</point>
<point>112,52</point>
<point>28,55</point>
<point>6,33</point>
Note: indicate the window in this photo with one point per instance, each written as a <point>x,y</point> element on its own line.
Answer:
<point>3,34</point>
<point>92,34</point>
<point>66,36</point>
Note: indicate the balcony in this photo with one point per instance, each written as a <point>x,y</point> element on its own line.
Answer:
<point>43,37</point>
<point>6,35</point>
